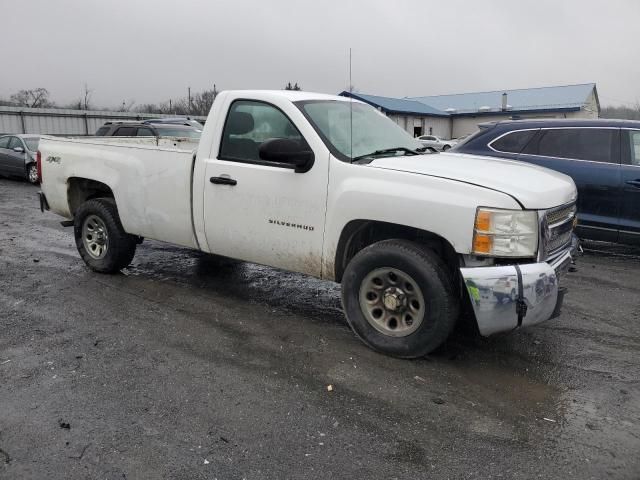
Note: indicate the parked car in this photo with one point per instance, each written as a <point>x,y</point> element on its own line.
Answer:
<point>143,129</point>
<point>602,156</point>
<point>18,156</point>
<point>176,121</point>
<point>436,142</point>
<point>326,186</point>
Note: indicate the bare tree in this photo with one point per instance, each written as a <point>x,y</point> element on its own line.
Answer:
<point>86,96</point>
<point>288,86</point>
<point>36,98</point>
<point>126,106</point>
<point>624,112</point>
<point>201,102</point>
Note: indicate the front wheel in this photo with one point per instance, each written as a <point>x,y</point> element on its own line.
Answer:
<point>399,298</point>
<point>101,241</point>
<point>445,148</point>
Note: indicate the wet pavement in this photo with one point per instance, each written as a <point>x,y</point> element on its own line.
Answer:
<point>187,366</point>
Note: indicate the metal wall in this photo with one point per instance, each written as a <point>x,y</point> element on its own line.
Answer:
<point>55,121</point>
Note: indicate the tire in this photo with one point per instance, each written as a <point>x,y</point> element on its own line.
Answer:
<point>446,147</point>
<point>32,174</point>
<point>101,241</point>
<point>434,315</point>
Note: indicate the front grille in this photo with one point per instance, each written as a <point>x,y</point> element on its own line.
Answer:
<point>558,229</point>
<point>561,214</point>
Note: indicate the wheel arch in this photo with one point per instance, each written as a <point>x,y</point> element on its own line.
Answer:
<point>358,234</point>
<point>80,189</point>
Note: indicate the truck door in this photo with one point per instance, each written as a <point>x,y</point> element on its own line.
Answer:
<point>260,211</point>
<point>630,202</point>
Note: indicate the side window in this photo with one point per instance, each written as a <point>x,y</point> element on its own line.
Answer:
<point>102,131</point>
<point>250,123</point>
<point>4,142</point>
<point>634,147</point>
<point>145,132</point>
<point>15,142</point>
<point>125,132</point>
<point>592,144</point>
<point>513,142</point>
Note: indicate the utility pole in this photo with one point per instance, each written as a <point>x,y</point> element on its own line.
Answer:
<point>189,96</point>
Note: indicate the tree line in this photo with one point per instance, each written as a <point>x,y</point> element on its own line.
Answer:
<point>624,112</point>
<point>197,104</point>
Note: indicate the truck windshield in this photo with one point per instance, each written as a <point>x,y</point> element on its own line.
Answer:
<point>354,130</point>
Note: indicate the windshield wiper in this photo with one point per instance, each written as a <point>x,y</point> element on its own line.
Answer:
<point>407,151</point>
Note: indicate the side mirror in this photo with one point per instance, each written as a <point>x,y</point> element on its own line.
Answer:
<point>285,150</point>
<point>18,149</point>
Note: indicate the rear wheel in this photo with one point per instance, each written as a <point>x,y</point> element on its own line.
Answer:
<point>32,173</point>
<point>446,147</point>
<point>101,241</point>
<point>399,298</point>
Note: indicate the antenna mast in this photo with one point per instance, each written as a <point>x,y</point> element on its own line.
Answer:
<point>350,107</point>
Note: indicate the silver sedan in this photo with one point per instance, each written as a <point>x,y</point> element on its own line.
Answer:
<point>436,142</point>
<point>18,156</point>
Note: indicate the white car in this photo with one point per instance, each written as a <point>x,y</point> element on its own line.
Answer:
<point>436,142</point>
<point>330,187</point>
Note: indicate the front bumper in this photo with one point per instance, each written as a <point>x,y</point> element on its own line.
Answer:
<point>507,297</point>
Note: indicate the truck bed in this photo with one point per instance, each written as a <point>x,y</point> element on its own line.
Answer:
<point>150,180</point>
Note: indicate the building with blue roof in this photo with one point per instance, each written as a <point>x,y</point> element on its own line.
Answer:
<point>456,115</point>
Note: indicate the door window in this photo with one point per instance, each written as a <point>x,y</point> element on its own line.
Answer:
<point>15,142</point>
<point>513,142</point>
<point>125,132</point>
<point>250,123</point>
<point>634,147</point>
<point>4,142</point>
<point>145,132</point>
<point>592,144</point>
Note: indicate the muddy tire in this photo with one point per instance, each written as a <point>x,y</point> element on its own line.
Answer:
<point>399,298</point>
<point>101,241</point>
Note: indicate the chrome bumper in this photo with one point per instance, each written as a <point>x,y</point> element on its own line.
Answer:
<point>507,297</point>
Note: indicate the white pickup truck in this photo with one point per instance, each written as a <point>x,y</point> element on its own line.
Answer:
<point>330,187</point>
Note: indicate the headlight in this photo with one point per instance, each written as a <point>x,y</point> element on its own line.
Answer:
<point>505,233</point>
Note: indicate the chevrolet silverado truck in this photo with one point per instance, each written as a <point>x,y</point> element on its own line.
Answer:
<point>330,187</point>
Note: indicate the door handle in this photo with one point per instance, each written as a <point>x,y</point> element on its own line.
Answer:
<point>223,181</point>
<point>635,183</point>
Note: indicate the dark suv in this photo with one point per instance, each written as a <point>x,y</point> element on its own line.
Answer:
<point>143,129</point>
<point>602,157</point>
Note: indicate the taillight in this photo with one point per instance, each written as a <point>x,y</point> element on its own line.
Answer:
<point>39,165</point>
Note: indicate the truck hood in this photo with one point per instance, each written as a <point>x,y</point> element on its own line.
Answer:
<point>532,186</point>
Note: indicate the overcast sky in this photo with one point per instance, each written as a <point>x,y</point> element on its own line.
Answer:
<point>152,50</point>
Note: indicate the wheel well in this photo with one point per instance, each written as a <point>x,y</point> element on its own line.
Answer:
<point>79,190</point>
<point>359,234</point>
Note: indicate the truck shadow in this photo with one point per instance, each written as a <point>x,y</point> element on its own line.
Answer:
<point>277,290</point>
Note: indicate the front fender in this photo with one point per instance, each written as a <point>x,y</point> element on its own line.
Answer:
<point>443,207</point>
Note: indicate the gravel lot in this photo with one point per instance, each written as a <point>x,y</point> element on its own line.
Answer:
<point>187,366</point>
